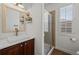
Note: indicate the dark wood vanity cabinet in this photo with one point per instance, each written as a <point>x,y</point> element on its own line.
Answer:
<point>12,50</point>
<point>29,47</point>
<point>24,48</point>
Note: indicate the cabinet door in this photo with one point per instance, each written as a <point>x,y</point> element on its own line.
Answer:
<point>13,50</point>
<point>29,47</point>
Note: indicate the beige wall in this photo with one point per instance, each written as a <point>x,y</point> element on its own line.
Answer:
<point>35,27</point>
<point>0,19</point>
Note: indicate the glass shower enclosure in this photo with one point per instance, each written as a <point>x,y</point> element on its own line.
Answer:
<point>47,32</point>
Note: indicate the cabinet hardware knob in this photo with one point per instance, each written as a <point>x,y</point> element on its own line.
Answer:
<point>25,43</point>
<point>21,45</point>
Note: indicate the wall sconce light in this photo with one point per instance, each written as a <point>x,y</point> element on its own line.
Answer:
<point>28,18</point>
<point>22,20</point>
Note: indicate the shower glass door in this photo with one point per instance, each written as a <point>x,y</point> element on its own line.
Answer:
<point>47,33</point>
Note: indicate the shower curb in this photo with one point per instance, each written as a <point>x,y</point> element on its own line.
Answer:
<point>49,53</point>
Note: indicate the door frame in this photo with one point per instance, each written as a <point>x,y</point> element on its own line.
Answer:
<point>53,27</point>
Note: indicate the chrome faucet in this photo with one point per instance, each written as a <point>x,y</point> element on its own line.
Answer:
<point>16,30</point>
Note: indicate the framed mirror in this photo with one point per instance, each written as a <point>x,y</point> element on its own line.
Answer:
<point>12,18</point>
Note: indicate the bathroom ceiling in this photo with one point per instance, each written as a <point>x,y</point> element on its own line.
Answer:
<point>48,6</point>
<point>27,5</point>
<point>57,4</point>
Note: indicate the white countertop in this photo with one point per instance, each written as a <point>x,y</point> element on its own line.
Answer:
<point>12,40</point>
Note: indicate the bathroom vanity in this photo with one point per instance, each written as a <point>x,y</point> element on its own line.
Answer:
<point>22,48</point>
<point>12,23</point>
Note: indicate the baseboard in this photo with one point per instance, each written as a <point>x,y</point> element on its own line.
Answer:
<point>49,53</point>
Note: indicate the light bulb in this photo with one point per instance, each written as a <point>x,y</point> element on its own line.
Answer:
<point>21,6</point>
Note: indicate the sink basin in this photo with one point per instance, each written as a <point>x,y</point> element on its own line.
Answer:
<point>17,38</point>
<point>12,39</point>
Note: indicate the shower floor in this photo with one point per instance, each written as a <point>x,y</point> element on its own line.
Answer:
<point>47,48</point>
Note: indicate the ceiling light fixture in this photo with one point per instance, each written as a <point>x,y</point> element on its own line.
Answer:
<point>19,5</point>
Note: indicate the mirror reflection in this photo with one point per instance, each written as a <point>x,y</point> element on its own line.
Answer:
<point>12,19</point>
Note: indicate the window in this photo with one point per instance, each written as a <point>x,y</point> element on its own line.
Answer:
<point>66,19</point>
